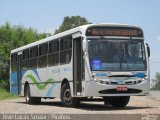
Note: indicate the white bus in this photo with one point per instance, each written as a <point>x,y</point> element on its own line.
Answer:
<point>108,61</point>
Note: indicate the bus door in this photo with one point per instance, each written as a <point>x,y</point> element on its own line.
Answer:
<point>77,66</point>
<point>19,75</point>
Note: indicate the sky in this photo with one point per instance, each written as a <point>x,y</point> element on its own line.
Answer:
<point>47,15</point>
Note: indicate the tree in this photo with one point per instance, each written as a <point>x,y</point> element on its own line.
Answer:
<point>71,22</point>
<point>12,37</point>
<point>157,84</point>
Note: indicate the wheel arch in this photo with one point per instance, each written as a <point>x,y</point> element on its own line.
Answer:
<point>65,81</point>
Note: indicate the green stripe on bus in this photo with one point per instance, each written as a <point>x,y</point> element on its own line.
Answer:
<point>40,86</point>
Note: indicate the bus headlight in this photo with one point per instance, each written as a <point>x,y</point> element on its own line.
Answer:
<point>101,81</point>
<point>145,78</point>
<point>96,79</point>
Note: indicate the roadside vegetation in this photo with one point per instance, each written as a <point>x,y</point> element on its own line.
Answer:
<point>4,91</point>
<point>5,94</point>
<point>156,86</point>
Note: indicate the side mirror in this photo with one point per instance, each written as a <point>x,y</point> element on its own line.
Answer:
<point>148,50</point>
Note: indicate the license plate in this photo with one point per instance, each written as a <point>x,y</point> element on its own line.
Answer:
<point>121,88</point>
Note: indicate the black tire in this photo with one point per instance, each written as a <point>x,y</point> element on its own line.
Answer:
<point>66,98</point>
<point>37,100</point>
<point>29,99</point>
<point>119,102</point>
<point>106,102</point>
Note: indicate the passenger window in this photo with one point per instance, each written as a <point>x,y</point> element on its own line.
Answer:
<point>42,60</point>
<point>33,57</point>
<point>25,60</point>
<point>53,56</point>
<point>66,49</point>
<point>14,62</point>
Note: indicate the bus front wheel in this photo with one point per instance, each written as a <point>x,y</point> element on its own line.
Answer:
<point>29,99</point>
<point>119,102</point>
<point>66,98</point>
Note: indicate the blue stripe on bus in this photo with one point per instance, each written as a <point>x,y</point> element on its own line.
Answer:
<point>14,83</point>
<point>14,89</point>
<point>49,93</point>
<point>36,72</point>
<point>14,79</point>
<point>140,75</point>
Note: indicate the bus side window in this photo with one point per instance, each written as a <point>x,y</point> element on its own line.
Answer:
<point>42,60</point>
<point>14,62</point>
<point>53,53</point>
<point>33,57</point>
<point>25,59</point>
<point>65,49</point>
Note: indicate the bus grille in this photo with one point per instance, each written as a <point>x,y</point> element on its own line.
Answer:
<point>124,83</point>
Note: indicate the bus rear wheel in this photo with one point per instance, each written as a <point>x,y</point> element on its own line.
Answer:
<point>119,102</point>
<point>29,99</point>
<point>66,98</point>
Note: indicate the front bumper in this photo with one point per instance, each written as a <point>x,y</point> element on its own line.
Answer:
<point>97,89</point>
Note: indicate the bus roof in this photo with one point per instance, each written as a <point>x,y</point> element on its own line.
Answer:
<point>82,29</point>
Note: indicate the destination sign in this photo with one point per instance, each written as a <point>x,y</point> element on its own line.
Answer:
<point>114,31</point>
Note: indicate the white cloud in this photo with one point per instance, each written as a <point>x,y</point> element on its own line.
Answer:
<point>158,38</point>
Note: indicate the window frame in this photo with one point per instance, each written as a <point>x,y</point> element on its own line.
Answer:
<point>65,49</point>
<point>33,58</point>
<point>43,55</point>
<point>14,62</point>
<point>53,52</point>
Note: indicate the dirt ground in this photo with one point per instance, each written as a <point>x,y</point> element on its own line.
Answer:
<point>137,105</point>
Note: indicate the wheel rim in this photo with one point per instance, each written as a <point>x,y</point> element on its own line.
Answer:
<point>67,96</point>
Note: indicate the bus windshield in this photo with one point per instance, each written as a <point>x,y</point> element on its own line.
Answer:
<point>116,54</point>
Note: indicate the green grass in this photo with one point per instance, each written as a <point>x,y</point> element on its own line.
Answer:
<point>5,94</point>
